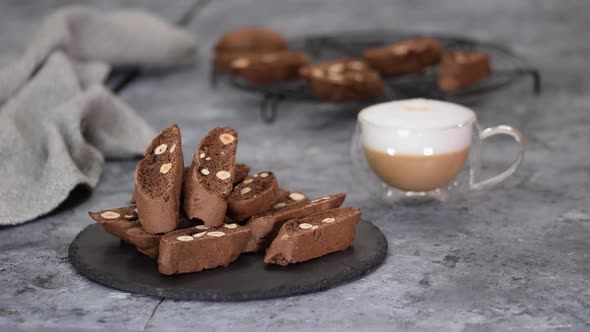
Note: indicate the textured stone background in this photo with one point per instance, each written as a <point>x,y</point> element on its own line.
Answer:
<point>514,258</point>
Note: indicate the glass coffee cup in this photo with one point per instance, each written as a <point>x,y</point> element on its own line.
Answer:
<point>420,150</point>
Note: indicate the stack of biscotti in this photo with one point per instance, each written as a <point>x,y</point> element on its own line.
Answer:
<point>245,41</point>
<point>156,200</point>
<point>266,225</point>
<point>124,224</point>
<point>261,56</point>
<point>206,215</point>
<point>204,247</point>
<point>258,55</point>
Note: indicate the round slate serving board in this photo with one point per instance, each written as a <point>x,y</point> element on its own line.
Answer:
<point>104,259</point>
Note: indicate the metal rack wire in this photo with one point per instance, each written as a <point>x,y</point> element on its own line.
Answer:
<point>508,68</point>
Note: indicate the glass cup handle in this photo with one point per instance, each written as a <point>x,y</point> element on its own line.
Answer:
<point>494,180</point>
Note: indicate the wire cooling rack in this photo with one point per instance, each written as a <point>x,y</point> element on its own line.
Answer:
<point>507,68</point>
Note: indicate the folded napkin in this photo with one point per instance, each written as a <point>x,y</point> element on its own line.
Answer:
<point>57,121</point>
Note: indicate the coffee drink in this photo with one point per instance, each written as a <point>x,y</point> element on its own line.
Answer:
<point>419,151</point>
<point>416,145</point>
<point>414,172</point>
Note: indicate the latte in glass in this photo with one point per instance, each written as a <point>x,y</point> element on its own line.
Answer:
<point>416,145</point>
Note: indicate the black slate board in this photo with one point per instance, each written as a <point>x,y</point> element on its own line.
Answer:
<point>104,259</point>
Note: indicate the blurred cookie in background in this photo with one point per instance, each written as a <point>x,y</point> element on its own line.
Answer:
<point>243,41</point>
<point>344,79</point>
<point>270,67</point>
<point>406,57</point>
<point>462,68</point>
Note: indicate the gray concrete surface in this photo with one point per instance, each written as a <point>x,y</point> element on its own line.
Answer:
<point>516,258</point>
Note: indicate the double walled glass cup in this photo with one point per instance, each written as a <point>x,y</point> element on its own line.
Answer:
<point>420,150</point>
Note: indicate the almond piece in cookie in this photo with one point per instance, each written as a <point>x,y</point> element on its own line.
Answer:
<point>158,183</point>
<point>209,183</point>
<point>300,240</point>
<point>266,225</point>
<point>252,197</point>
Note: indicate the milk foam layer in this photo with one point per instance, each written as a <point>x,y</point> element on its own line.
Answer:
<point>417,127</point>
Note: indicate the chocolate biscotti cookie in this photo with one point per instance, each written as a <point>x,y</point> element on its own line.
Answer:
<point>248,39</point>
<point>244,41</point>
<point>124,224</point>
<point>210,178</point>
<point>200,248</point>
<point>268,68</point>
<point>116,221</point>
<point>405,57</point>
<point>344,79</point>
<point>300,240</point>
<point>158,182</point>
<point>285,197</point>
<point>265,226</point>
<point>240,173</point>
<point>460,69</point>
<point>146,243</point>
<point>256,194</point>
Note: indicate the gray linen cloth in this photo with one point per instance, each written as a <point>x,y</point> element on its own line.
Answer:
<point>58,122</point>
